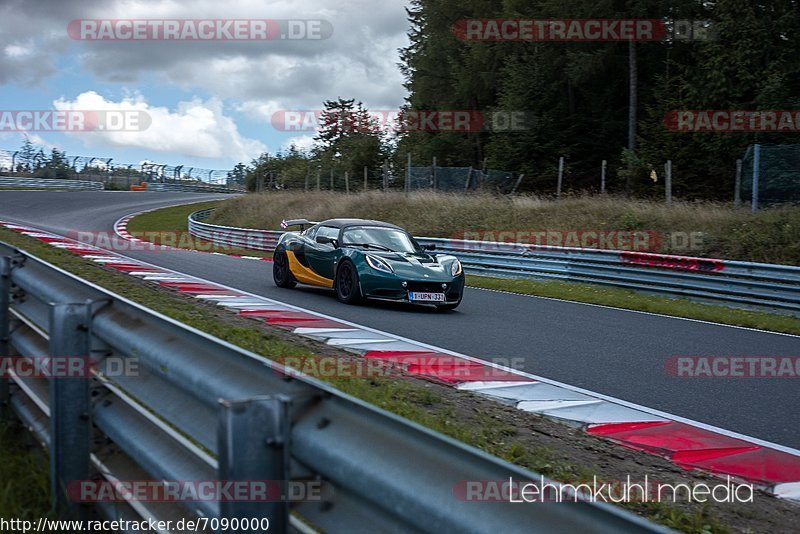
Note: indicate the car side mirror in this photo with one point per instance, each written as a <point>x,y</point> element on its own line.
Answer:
<point>429,247</point>
<point>325,240</point>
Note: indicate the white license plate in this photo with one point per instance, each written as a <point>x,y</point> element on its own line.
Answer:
<point>426,297</point>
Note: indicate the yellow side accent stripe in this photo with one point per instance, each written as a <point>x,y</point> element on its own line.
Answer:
<point>306,275</point>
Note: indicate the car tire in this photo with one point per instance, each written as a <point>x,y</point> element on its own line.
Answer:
<point>346,284</point>
<point>281,273</point>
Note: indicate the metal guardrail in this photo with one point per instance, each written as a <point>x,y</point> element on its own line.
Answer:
<point>743,283</point>
<point>200,409</point>
<point>191,188</point>
<point>231,236</point>
<point>46,183</point>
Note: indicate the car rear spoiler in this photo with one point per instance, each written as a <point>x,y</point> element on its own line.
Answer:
<point>302,223</point>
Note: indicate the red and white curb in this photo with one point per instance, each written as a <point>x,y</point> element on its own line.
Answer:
<point>689,444</point>
<point>121,229</point>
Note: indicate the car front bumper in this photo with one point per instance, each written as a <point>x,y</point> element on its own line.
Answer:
<point>377,285</point>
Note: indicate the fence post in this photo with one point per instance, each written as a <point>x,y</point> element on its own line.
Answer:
<point>756,175</point>
<point>408,173</point>
<point>346,182</point>
<point>366,178</point>
<point>319,175</point>
<point>737,193</point>
<point>332,186</point>
<point>516,185</point>
<point>560,176</point>
<point>668,181</point>
<point>305,186</point>
<point>70,411</point>
<point>5,319</point>
<point>253,442</point>
<point>433,177</point>
<point>385,176</point>
<point>469,179</point>
<point>603,170</point>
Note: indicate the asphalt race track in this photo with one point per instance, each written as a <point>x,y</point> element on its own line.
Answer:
<point>613,352</point>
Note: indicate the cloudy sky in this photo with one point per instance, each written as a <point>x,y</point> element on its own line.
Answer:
<point>211,102</point>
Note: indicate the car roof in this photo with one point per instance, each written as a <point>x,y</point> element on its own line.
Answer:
<point>343,223</point>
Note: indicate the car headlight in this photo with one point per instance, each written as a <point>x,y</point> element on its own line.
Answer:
<point>455,268</point>
<point>379,264</point>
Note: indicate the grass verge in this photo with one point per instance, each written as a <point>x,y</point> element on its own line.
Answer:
<point>706,229</point>
<point>24,484</point>
<point>168,226</point>
<point>632,300</point>
<point>540,444</point>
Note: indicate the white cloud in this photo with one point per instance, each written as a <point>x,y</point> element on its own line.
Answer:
<point>303,143</point>
<point>18,51</point>
<point>194,129</point>
<point>358,61</point>
<point>256,78</point>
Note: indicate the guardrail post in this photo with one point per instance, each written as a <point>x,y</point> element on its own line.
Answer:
<point>5,319</point>
<point>253,446</point>
<point>70,413</point>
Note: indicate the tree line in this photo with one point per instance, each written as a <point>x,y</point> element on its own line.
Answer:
<point>589,101</point>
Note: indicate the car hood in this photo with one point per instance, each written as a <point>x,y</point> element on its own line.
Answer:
<point>416,264</point>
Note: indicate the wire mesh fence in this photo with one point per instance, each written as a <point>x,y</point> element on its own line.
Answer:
<point>446,179</point>
<point>770,175</point>
<point>39,164</point>
<point>460,179</point>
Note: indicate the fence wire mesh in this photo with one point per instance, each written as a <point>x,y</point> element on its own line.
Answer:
<point>40,164</point>
<point>778,174</point>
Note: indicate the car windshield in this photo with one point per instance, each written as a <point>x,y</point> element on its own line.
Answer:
<point>386,238</point>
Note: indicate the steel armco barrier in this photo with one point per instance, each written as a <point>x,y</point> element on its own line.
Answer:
<point>742,283</point>
<point>200,409</point>
<point>45,183</point>
<point>190,188</point>
<point>231,236</point>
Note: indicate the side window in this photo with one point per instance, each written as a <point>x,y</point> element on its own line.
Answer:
<point>327,231</point>
<point>311,233</point>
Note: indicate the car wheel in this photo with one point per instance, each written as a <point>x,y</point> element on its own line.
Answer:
<point>347,287</point>
<point>280,270</point>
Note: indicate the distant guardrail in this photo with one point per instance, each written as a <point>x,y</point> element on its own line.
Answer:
<point>46,183</point>
<point>191,188</point>
<point>198,409</point>
<point>760,285</point>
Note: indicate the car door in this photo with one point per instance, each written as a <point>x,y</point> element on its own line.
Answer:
<point>321,257</point>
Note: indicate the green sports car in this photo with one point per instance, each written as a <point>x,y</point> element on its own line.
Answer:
<point>360,259</point>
